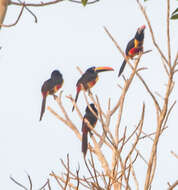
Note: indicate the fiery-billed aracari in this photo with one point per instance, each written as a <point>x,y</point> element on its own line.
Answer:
<point>50,86</point>
<point>88,79</point>
<point>134,47</point>
<point>92,119</point>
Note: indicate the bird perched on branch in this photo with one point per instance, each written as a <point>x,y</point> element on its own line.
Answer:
<point>134,47</point>
<point>50,87</point>
<point>89,78</point>
<point>91,117</point>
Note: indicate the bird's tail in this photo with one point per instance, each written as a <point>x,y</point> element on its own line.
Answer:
<point>76,98</point>
<point>122,68</point>
<point>43,107</point>
<point>84,143</point>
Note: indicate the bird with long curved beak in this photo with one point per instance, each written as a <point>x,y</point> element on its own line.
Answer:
<point>89,79</point>
<point>134,47</point>
<point>50,87</point>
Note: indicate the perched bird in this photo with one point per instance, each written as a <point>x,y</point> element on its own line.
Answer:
<point>89,78</point>
<point>134,47</point>
<point>92,119</point>
<point>50,87</point>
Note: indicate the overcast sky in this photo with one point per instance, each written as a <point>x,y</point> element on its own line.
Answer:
<point>69,35</point>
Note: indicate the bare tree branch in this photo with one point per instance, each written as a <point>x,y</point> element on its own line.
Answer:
<point>151,31</point>
<point>174,154</point>
<point>30,181</point>
<point>134,175</point>
<point>36,20</point>
<point>68,169</point>
<point>168,33</point>
<point>174,185</point>
<point>19,184</point>
<point>141,156</point>
<point>78,180</point>
<point>41,4</point>
<point>89,3</point>
<point>18,18</point>
<point>46,184</point>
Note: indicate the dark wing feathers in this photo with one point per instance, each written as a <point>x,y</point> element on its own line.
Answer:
<point>47,85</point>
<point>130,45</point>
<point>85,78</point>
<point>91,118</point>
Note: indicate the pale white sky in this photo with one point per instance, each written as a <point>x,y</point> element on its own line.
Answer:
<point>68,35</point>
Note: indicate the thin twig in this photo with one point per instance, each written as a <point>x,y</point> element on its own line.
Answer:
<point>49,186</point>
<point>80,2</point>
<point>153,170</point>
<point>173,185</point>
<point>134,175</point>
<point>149,135</point>
<point>101,157</point>
<point>42,4</point>
<point>168,32</point>
<point>151,31</point>
<point>132,134</point>
<point>92,177</point>
<point>94,169</point>
<point>57,115</point>
<point>105,129</point>
<point>170,109</point>
<point>35,17</point>
<point>19,184</point>
<point>47,183</point>
<point>174,154</point>
<point>18,18</point>
<point>75,105</point>
<point>30,181</point>
<point>175,61</point>
<point>68,169</point>
<point>141,156</point>
<point>56,178</point>
<point>78,180</point>
<point>139,133</point>
<point>72,174</point>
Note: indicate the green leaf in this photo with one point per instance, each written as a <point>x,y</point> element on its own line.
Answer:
<point>145,0</point>
<point>175,11</point>
<point>174,17</point>
<point>84,2</point>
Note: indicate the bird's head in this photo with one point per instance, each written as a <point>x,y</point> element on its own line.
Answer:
<point>140,33</point>
<point>99,69</point>
<point>56,74</point>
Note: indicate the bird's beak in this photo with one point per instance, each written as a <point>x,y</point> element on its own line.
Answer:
<point>101,69</point>
<point>141,29</point>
